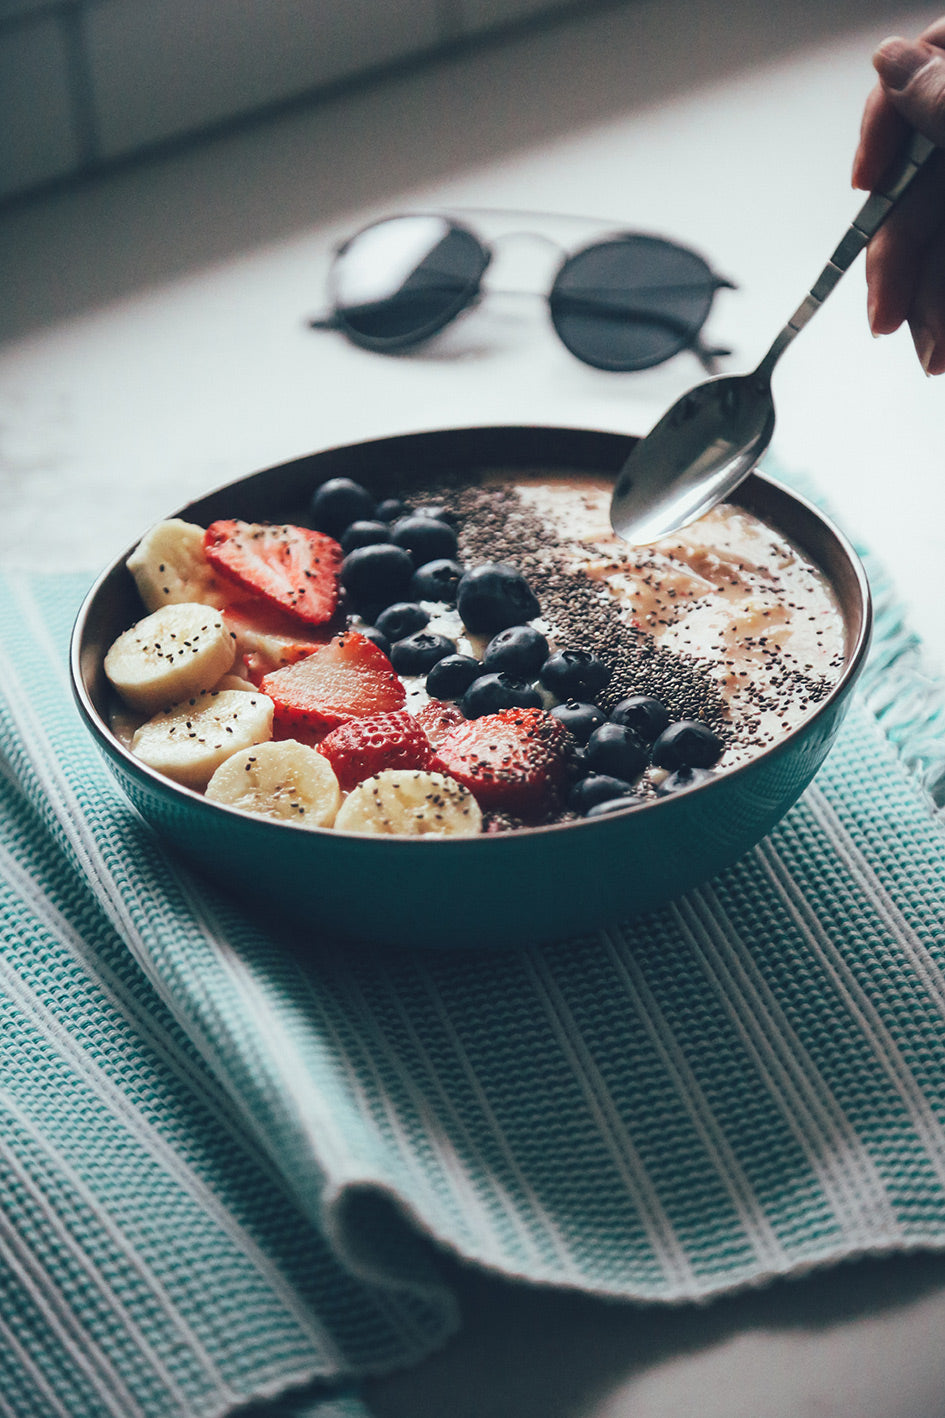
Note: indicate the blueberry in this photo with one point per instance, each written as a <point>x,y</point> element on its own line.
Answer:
<point>437,581</point>
<point>364,534</point>
<point>400,619</point>
<point>579,719</point>
<point>687,744</point>
<point>615,749</point>
<point>645,715</point>
<point>424,537</point>
<point>608,806</point>
<point>520,651</point>
<point>376,576</point>
<point>492,692</point>
<point>451,677</point>
<point>418,653</point>
<point>371,633</point>
<point>579,760</point>
<point>338,503</point>
<point>493,596</point>
<point>598,788</point>
<point>574,674</point>
<point>390,509</point>
<point>683,778</point>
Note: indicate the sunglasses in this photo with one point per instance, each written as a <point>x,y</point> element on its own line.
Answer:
<point>626,302</point>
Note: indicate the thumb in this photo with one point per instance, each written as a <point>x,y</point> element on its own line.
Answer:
<point>913,80</point>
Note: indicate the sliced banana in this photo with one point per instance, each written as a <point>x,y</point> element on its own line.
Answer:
<point>169,567</point>
<point>190,741</point>
<point>404,802</point>
<point>173,653</point>
<point>285,780</point>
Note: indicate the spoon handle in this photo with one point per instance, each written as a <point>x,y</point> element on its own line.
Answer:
<point>867,221</point>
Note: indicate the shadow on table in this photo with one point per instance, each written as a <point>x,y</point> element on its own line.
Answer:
<point>804,1346</point>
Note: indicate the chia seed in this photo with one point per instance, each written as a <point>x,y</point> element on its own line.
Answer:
<point>494,524</point>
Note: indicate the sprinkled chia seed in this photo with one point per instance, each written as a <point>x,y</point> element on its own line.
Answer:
<point>495,523</point>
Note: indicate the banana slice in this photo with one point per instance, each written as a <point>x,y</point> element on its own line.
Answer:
<point>404,802</point>
<point>169,567</point>
<point>190,741</point>
<point>173,653</point>
<point>285,780</point>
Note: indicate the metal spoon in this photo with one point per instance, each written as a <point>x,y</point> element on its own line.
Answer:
<point>713,436</point>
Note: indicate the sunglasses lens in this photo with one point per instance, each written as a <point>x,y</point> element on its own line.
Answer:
<point>631,302</point>
<point>402,280</point>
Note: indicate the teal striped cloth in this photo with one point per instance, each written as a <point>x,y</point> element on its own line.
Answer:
<point>228,1156</point>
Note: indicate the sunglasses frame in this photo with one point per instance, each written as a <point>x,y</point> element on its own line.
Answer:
<point>472,295</point>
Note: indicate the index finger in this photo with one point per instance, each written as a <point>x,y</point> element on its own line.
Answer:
<point>883,130</point>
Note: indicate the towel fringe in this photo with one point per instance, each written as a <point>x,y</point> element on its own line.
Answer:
<point>907,702</point>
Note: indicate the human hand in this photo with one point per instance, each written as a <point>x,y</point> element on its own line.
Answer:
<point>905,260</point>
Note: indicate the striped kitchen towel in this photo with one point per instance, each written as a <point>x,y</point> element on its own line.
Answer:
<point>228,1155</point>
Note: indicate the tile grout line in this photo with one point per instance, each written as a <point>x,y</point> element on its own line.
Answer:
<point>453,40</point>
<point>81,90</point>
<point>450,20</point>
<point>34,15</point>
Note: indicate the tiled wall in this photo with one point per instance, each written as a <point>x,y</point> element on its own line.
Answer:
<point>86,81</point>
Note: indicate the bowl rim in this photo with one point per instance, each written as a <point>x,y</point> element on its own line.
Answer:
<point>756,480</point>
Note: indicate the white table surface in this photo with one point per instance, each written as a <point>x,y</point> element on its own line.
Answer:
<point>153,346</point>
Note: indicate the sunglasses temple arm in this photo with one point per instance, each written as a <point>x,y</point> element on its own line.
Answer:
<point>709,355</point>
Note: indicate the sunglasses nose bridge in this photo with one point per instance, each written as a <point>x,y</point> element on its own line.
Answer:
<point>515,267</point>
<point>542,238</point>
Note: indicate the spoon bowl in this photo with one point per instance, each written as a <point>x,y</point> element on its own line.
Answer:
<point>696,456</point>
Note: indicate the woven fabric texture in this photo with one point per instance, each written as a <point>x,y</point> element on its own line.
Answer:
<point>228,1154</point>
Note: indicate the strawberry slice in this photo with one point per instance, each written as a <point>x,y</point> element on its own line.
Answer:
<point>359,748</point>
<point>267,638</point>
<point>290,567</point>
<point>514,762</point>
<point>439,717</point>
<point>348,678</point>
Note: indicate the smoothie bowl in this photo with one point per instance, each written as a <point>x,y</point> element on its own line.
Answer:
<point>414,692</point>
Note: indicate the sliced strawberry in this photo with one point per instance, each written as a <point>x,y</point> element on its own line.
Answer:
<point>267,638</point>
<point>290,567</point>
<point>346,679</point>
<point>359,748</point>
<point>514,762</point>
<point>439,717</point>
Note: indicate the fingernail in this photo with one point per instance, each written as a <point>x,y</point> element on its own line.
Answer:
<point>897,60</point>
<point>925,343</point>
<point>871,317</point>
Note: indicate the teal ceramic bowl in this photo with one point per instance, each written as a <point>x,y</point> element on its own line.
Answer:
<point>489,891</point>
